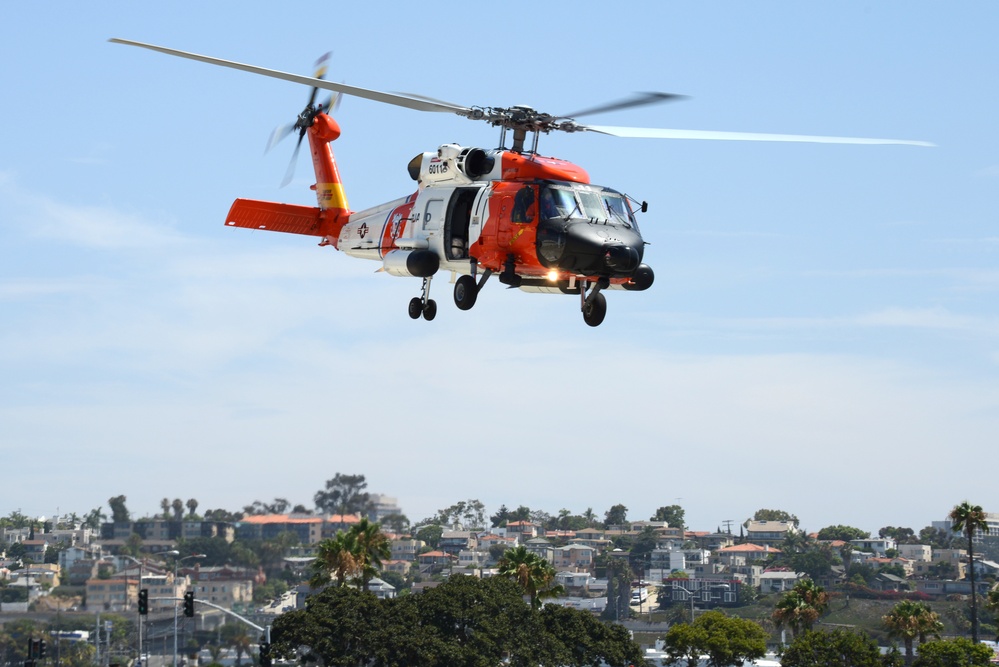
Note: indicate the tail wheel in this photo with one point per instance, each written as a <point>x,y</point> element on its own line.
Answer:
<point>594,309</point>
<point>415,307</point>
<point>430,310</point>
<point>465,292</point>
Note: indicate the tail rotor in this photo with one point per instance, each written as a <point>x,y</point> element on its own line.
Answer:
<point>305,119</point>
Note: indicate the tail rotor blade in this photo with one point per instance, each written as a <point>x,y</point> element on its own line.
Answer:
<point>290,172</point>
<point>279,135</point>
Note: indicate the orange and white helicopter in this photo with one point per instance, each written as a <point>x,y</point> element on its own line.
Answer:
<point>534,221</point>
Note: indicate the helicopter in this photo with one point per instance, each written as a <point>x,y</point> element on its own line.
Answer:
<point>535,222</point>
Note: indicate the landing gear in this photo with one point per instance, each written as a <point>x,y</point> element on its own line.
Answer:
<point>466,288</point>
<point>423,305</point>
<point>465,292</point>
<point>594,304</point>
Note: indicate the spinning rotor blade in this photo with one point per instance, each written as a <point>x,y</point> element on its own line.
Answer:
<point>278,135</point>
<point>388,98</point>
<point>290,171</point>
<point>662,133</point>
<point>637,100</point>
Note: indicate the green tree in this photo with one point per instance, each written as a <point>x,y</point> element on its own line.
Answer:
<point>397,523</point>
<point>534,575</point>
<point>344,494</point>
<point>430,534</point>
<point>815,560</point>
<point>584,640</point>
<point>673,515</point>
<point>119,513</point>
<point>910,620</point>
<point>501,517</point>
<point>725,640</point>
<point>617,515</point>
<point>192,507</point>
<point>899,534</point>
<point>838,648</point>
<point>968,518</point>
<point>165,507</point>
<point>336,561</point>
<point>372,548</point>
<point>844,533</point>
<point>94,518</point>
<point>958,652</point>
<point>235,636</point>
<point>800,607</point>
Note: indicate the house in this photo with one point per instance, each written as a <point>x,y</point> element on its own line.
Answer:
<point>406,549</point>
<point>522,530</point>
<point>400,566</point>
<point>890,582</point>
<point>876,545</point>
<point>435,561</point>
<point>112,594</point>
<point>542,548</point>
<point>916,552</point>
<point>574,557</point>
<point>453,541</point>
<point>381,589</point>
<point>743,554</point>
<point>779,581</point>
<point>769,532</point>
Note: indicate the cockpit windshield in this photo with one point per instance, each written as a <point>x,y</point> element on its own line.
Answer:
<point>576,200</point>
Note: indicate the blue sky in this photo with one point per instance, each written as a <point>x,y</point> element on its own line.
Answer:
<point>822,336</point>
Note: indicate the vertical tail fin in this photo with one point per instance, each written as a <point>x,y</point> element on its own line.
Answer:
<point>329,188</point>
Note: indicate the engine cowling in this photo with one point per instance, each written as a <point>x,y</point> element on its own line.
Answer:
<point>411,263</point>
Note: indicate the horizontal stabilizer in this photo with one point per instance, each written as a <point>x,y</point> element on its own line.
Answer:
<point>288,218</point>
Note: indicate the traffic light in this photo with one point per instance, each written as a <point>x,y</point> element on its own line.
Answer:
<point>42,649</point>
<point>265,654</point>
<point>143,601</point>
<point>189,604</point>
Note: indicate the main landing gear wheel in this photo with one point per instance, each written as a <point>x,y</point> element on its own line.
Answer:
<point>594,309</point>
<point>415,307</point>
<point>465,292</point>
<point>430,310</point>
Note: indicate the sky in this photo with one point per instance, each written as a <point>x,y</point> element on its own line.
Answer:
<point>822,336</point>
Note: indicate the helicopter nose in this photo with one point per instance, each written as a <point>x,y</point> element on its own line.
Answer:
<point>621,258</point>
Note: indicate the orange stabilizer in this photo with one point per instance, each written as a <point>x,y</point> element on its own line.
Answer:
<point>288,218</point>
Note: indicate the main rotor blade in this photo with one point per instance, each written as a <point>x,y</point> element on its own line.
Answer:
<point>377,96</point>
<point>636,100</point>
<point>662,133</point>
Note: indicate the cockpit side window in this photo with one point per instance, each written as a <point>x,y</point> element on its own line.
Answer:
<point>557,202</point>
<point>524,206</point>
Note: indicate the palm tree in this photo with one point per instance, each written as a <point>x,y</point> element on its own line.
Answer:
<point>968,518</point>
<point>910,620</point>
<point>372,548</point>
<point>535,575</point>
<point>801,606</point>
<point>336,561</point>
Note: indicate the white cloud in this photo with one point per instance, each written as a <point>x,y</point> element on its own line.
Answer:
<point>80,225</point>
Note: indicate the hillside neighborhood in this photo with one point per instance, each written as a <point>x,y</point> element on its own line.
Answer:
<point>258,563</point>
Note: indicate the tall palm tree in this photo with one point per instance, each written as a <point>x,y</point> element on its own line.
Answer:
<point>910,620</point>
<point>336,561</point>
<point>968,518</point>
<point>535,575</point>
<point>372,548</point>
<point>801,606</point>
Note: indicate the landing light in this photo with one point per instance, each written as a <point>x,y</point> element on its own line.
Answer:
<point>553,276</point>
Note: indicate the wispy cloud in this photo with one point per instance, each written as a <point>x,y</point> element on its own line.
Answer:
<point>89,226</point>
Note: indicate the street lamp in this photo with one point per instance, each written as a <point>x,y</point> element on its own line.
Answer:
<point>690,596</point>
<point>176,562</point>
